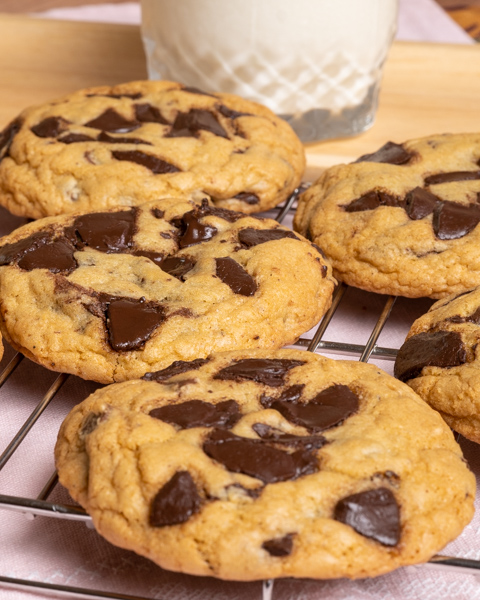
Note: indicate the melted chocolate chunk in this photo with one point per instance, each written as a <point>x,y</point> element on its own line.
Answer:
<point>267,433</point>
<point>248,197</point>
<point>279,546</point>
<point>158,213</point>
<point>155,257</point>
<point>111,120</point>
<point>420,203</point>
<point>250,237</point>
<point>371,201</point>
<point>7,135</point>
<point>230,113</point>
<point>176,368</point>
<point>452,176</point>
<point>473,318</point>
<point>153,163</point>
<point>196,413</point>
<point>177,266</point>
<point>290,394</point>
<point>56,256</point>
<point>134,96</point>
<point>269,371</point>
<point>91,422</point>
<point>40,251</point>
<point>176,501</point>
<point>231,216</point>
<point>111,139</point>
<point>131,322</point>
<point>146,113</point>
<point>74,138</point>
<point>50,127</point>
<point>257,458</point>
<point>110,232</point>
<point>452,220</point>
<point>438,349</point>
<point>329,408</point>
<point>235,276</point>
<point>374,514</point>
<point>192,230</point>
<point>196,120</point>
<point>391,153</point>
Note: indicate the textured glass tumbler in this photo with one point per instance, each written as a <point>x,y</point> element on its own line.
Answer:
<point>316,63</point>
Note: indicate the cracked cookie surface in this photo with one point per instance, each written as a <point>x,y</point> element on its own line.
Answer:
<point>403,220</point>
<point>135,142</point>
<point>440,360</point>
<point>263,464</point>
<point>109,295</point>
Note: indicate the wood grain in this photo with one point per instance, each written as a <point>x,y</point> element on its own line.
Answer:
<point>427,88</point>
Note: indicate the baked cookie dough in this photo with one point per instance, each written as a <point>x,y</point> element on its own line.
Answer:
<point>403,220</point>
<point>111,295</point>
<point>260,464</point>
<point>440,360</point>
<point>135,142</point>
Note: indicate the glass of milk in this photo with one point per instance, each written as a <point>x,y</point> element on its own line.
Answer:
<point>316,63</point>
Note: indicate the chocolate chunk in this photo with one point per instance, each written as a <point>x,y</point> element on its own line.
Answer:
<point>391,153</point>
<point>7,135</point>
<point>374,514</point>
<point>56,256</point>
<point>74,138</point>
<point>230,113</point>
<point>197,119</point>
<point>91,422</point>
<point>223,213</point>
<point>452,176</point>
<point>429,349</point>
<point>372,200</point>
<point>131,322</point>
<point>265,432</point>
<point>111,120</point>
<point>279,546</point>
<point>111,139</point>
<point>176,368</point>
<point>177,266</point>
<point>248,197</point>
<point>153,163</point>
<point>269,371</point>
<point>50,127</point>
<point>473,318</point>
<point>250,237</point>
<point>110,232</point>
<point>257,458</point>
<point>235,276</point>
<point>452,220</point>
<point>156,257</point>
<point>176,501</point>
<point>158,213</point>
<point>329,408</point>
<point>196,413</point>
<point>290,394</point>
<point>193,231</point>
<point>146,113</point>
<point>420,203</point>
<point>40,251</point>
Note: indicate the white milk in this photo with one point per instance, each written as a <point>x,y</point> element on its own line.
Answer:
<point>316,62</point>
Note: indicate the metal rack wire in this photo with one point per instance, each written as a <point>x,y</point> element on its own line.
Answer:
<point>41,506</point>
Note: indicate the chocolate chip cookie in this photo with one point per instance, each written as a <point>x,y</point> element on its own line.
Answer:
<point>403,220</point>
<point>440,360</point>
<point>109,295</point>
<point>139,141</point>
<point>258,464</point>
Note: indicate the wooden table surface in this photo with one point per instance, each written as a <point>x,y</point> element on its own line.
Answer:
<point>427,88</point>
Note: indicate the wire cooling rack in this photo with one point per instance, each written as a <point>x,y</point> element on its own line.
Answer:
<point>41,506</point>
